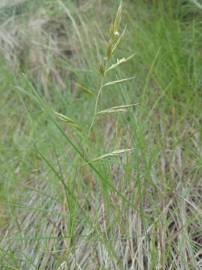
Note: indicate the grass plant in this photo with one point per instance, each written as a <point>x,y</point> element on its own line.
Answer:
<point>101,158</point>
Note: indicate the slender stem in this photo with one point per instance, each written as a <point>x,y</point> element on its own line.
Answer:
<point>96,103</point>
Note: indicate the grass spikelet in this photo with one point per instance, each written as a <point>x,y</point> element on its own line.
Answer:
<point>68,120</point>
<point>119,81</point>
<point>122,108</point>
<point>117,42</point>
<point>119,62</point>
<point>117,21</point>
<point>111,154</point>
<point>85,89</point>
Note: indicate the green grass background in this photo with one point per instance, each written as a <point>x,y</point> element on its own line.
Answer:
<point>133,210</point>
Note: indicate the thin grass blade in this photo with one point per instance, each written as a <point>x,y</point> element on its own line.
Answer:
<point>119,81</point>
